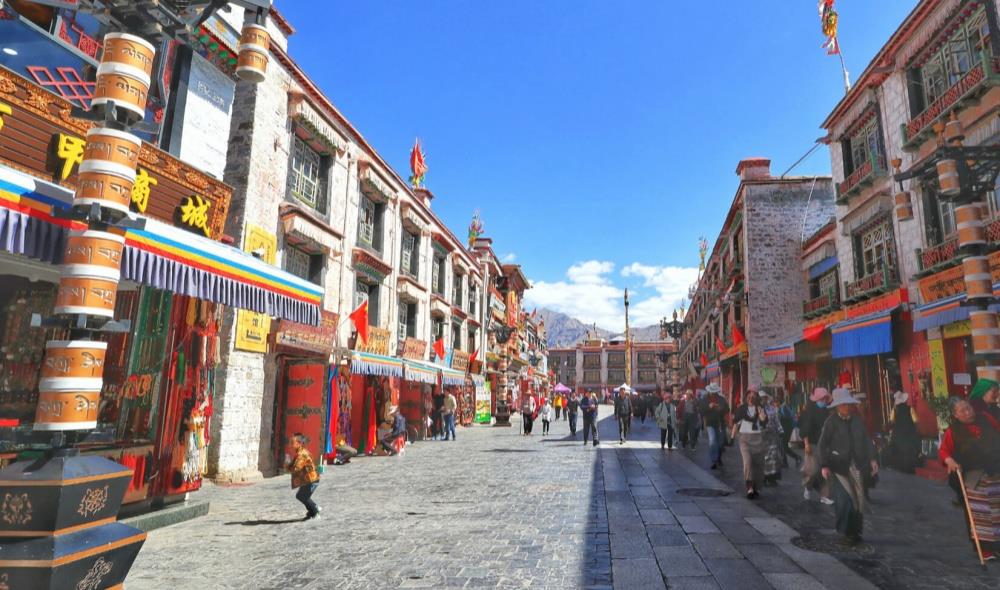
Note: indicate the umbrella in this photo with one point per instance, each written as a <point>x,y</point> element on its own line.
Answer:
<point>560,388</point>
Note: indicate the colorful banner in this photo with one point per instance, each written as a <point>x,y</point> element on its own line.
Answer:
<point>483,397</point>
<point>939,375</point>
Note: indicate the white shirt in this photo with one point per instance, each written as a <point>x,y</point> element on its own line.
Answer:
<point>746,426</point>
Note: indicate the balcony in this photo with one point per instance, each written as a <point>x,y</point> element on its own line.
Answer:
<point>863,176</point>
<point>876,283</point>
<point>978,80</point>
<point>821,305</point>
<point>935,258</point>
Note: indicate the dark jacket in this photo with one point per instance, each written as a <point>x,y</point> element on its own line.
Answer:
<point>572,406</point>
<point>714,417</point>
<point>589,406</point>
<point>843,441</point>
<point>623,405</point>
<point>811,422</point>
<point>742,414</point>
<point>398,425</point>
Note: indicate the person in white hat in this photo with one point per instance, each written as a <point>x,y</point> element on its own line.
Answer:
<point>904,447</point>
<point>848,463</point>
<point>394,440</point>
<point>810,427</point>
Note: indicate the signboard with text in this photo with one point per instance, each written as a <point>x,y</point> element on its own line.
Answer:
<point>378,341</point>
<point>252,328</point>
<point>297,337</point>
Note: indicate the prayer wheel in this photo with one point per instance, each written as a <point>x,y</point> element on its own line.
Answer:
<point>95,184</point>
<point>948,180</point>
<point>94,253</point>
<point>67,410</point>
<point>129,50</point>
<point>968,220</point>
<point>74,359</point>
<point>904,208</point>
<point>985,332</point>
<point>110,145</point>
<point>85,294</point>
<point>251,64</point>
<point>978,277</point>
<point>126,86</point>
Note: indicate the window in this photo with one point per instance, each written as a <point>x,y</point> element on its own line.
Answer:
<point>409,260</point>
<point>946,213</point>
<point>456,289</point>
<point>456,336</point>
<point>951,61</point>
<point>616,359</point>
<point>647,376</point>
<point>364,291</point>
<point>592,377</point>
<point>616,376</point>
<point>303,264</point>
<point>369,224</point>
<point>827,283</point>
<point>874,248</point>
<point>472,298</point>
<point>305,178</point>
<point>437,329</point>
<point>864,146</point>
<point>406,320</point>
<point>591,361</point>
<point>437,275</point>
<point>646,359</point>
<point>571,360</point>
<point>473,344</point>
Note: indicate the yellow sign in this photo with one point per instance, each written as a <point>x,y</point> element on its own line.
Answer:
<point>70,151</point>
<point>252,328</point>
<point>4,110</point>
<point>194,212</point>
<point>957,329</point>
<point>378,341</point>
<point>939,375</point>
<point>141,188</point>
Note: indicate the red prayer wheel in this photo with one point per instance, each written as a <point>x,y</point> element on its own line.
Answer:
<point>948,181</point>
<point>904,209</point>
<point>968,220</point>
<point>82,294</point>
<point>111,145</point>
<point>67,410</point>
<point>985,332</point>
<point>94,253</point>
<point>129,50</point>
<point>126,86</point>
<point>978,277</point>
<point>73,359</point>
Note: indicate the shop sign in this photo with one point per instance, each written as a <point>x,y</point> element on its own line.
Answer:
<point>39,137</point>
<point>413,349</point>
<point>483,404</point>
<point>319,339</point>
<point>957,329</point>
<point>883,303</point>
<point>939,375</point>
<point>460,360</point>
<point>946,283</point>
<point>252,328</point>
<point>378,341</point>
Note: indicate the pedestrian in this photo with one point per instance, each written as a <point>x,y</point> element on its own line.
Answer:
<point>687,411</point>
<point>566,400</point>
<point>811,422</point>
<point>985,398</point>
<point>588,405</point>
<point>772,441</point>
<point>714,411</point>
<point>546,415</point>
<point>848,463</point>
<point>394,441</point>
<point>437,420</point>
<point>666,420</point>
<point>623,411</point>
<point>448,415</point>
<point>903,453</point>
<point>971,446</point>
<point>557,404</point>
<point>528,408</point>
<point>749,422</point>
<point>786,416</point>
<point>572,408</point>
<point>304,475</point>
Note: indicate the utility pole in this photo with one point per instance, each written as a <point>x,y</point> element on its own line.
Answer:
<point>628,346</point>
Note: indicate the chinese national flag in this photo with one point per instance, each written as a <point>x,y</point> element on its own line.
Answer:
<point>704,360</point>
<point>474,356</point>
<point>360,318</point>
<point>738,336</point>
<point>439,348</point>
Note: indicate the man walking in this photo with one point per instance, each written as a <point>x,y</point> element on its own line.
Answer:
<point>448,413</point>
<point>623,411</point>
<point>713,413</point>
<point>688,414</point>
<point>528,408</point>
<point>572,407</point>
<point>588,405</point>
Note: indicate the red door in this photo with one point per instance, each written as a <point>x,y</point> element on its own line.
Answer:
<point>304,407</point>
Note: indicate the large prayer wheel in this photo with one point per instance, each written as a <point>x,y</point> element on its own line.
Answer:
<point>251,63</point>
<point>83,293</point>
<point>129,50</point>
<point>978,277</point>
<point>968,220</point>
<point>126,86</point>
<point>94,253</point>
<point>114,146</point>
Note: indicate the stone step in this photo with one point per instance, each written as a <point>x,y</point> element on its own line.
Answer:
<point>173,514</point>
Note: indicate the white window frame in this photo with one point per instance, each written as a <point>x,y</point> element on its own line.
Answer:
<point>305,177</point>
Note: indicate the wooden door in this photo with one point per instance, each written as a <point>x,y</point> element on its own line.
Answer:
<point>304,407</point>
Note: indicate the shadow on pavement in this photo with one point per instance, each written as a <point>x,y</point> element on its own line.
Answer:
<point>265,522</point>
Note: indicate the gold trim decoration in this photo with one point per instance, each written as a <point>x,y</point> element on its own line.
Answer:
<point>93,501</point>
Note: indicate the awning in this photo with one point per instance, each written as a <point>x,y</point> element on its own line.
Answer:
<point>813,333</point>
<point>781,353</point>
<point>419,372</point>
<point>452,377</point>
<point>945,311</point>
<point>863,336</point>
<point>366,363</point>
<point>821,267</point>
<point>160,255</point>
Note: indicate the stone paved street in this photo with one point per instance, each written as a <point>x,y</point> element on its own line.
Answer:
<point>492,510</point>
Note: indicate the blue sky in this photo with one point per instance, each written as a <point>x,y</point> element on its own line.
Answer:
<point>598,139</point>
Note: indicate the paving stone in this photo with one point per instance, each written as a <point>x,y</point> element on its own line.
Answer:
<point>793,582</point>
<point>654,516</point>
<point>636,574</point>
<point>667,536</point>
<point>679,561</point>
<point>740,532</point>
<point>736,574</point>
<point>630,546</point>
<point>714,546</point>
<point>769,559</point>
<point>685,509</point>
<point>692,583</point>
<point>697,524</point>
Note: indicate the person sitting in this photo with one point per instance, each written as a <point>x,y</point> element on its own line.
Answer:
<point>971,445</point>
<point>394,441</point>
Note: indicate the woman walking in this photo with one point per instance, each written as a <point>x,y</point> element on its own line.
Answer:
<point>810,427</point>
<point>848,463</point>
<point>971,446</point>
<point>749,422</point>
<point>772,441</point>
<point>528,408</point>
<point>904,449</point>
<point>666,420</point>
<point>546,415</point>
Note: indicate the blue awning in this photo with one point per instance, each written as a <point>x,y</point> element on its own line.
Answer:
<point>822,266</point>
<point>781,353</point>
<point>863,336</point>
<point>944,311</point>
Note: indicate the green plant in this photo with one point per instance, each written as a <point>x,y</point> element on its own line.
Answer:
<point>939,403</point>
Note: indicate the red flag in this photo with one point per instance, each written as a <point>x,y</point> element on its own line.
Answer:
<point>439,348</point>
<point>704,360</point>
<point>738,336</point>
<point>720,345</point>
<point>474,356</point>
<point>360,318</point>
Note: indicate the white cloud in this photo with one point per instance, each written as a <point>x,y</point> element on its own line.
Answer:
<point>508,258</point>
<point>591,295</point>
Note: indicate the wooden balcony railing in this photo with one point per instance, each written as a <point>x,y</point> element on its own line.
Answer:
<point>878,282</point>
<point>864,175</point>
<point>931,258</point>
<point>820,305</point>
<point>984,74</point>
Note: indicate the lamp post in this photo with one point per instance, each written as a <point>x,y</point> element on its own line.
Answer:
<point>628,346</point>
<point>674,329</point>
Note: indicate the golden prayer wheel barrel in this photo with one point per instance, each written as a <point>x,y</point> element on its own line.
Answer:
<point>985,332</point>
<point>904,209</point>
<point>251,64</point>
<point>948,181</point>
<point>968,220</point>
<point>67,410</point>
<point>97,183</point>
<point>95,253</point>
<point>73,359</point>
<point>111,145</point>
<point>978,278</point>
<point>80,293</point>
<point>129,50</point>
<point>126,86</point>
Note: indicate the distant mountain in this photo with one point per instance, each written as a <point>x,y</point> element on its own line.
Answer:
<point>563,331</point>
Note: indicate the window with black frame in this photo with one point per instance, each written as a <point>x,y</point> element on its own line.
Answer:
<point>950,60</point>
<point>366,291</point>
<point>306,176</point>
<point>409,259</point>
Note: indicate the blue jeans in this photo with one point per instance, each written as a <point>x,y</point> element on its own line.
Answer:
<point>449,426</point>
<point>304,495</point>
<point>572,422</point>
<point>714,444</point>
